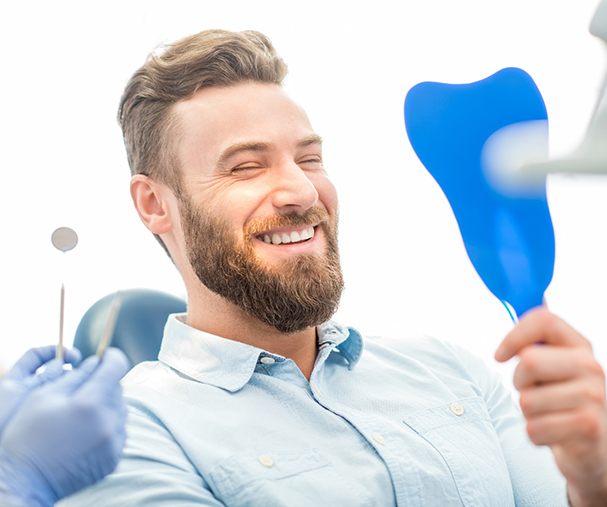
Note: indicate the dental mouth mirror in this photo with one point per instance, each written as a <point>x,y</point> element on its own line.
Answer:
<point>64,239</point>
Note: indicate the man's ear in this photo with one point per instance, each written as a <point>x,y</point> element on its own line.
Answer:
<point>151,200</point>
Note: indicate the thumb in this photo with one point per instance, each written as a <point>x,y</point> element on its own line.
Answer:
<point>111,369</point>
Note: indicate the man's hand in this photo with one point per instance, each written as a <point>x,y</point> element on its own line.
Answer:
<point>67,434</point>
<point>562,395</point>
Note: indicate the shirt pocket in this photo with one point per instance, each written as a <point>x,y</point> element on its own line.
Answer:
<point>462,434</point>
<point>290,478</point>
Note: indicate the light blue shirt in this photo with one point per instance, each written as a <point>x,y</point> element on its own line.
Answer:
<point>398,422</point>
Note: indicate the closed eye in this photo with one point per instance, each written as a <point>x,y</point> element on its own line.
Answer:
<point>245,168</point>
<point>312,160</point>
<point>312,165</point>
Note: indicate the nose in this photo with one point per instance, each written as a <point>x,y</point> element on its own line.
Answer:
<point>293,191</point>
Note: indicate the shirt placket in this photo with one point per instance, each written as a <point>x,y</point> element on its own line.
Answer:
<point>405,484</point>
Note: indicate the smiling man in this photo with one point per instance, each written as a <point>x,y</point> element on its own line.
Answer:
<point>257,397</point>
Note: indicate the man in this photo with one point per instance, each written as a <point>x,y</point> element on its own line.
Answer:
<point>60,431</point>
<point>259,399</point>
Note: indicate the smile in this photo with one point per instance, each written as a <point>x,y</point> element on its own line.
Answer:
<point>287,236</point>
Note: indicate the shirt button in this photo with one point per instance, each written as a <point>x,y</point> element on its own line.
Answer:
<point>378,438</point>
<point>267,360</point>
<point>457,408</point>
<point>266,460</point>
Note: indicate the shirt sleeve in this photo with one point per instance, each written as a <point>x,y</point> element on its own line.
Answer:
<point>535,477</point>
<point>154,471</point>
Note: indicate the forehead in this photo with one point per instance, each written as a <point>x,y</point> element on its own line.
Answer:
<point>215,118</point>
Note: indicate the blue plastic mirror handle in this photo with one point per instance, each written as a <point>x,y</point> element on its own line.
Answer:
<point>509,239</point>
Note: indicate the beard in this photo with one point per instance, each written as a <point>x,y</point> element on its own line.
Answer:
<point>290,296</point>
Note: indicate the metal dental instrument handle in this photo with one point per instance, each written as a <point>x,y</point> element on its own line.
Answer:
<point>59,353</point>
<point>110,325</point>
<point>63,239</point>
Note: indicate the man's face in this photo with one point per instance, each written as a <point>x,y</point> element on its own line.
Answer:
<point>258,212</point>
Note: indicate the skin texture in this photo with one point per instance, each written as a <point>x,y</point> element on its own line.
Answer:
<point>262,184</point>
<point>562,395</point>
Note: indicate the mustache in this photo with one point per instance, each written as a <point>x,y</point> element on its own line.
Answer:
<point>312,216</point>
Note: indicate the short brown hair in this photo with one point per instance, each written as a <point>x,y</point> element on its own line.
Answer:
<point>209,58</point>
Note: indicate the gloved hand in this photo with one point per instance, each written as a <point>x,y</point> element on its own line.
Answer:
<point>22,378</point>
<point>67,434</point>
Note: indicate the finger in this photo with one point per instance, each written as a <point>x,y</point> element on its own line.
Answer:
<point>545,363</point>
<point>539,326</point>
<point>70,381</point>
<point>565,427</point>
<point>110,371</point>
<point>52,370</point>
<point>36,357</point>
<point>561,397</point>
<point>114,365</point>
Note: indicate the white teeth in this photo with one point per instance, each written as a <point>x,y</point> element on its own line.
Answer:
<point>307,233</point>
<point>286,238</point>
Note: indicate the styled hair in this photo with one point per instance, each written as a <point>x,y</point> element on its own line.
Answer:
<point>176,72</point>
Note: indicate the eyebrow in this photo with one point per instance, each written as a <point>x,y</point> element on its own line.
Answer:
<point>232,150</point>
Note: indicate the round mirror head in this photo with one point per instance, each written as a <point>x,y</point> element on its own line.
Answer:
<point>64,239</point>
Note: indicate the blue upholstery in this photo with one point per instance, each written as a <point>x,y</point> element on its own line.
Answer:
<point>139,324</point>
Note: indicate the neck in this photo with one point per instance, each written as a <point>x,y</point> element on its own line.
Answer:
<point>211,313</point>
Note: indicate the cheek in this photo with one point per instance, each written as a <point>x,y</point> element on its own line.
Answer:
<point>238,201</point>
<point>236,207</point>
<point>327,194</point>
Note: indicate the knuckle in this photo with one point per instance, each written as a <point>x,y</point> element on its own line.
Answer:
<point>534,432</point>
<point>529,359</point>
<point>525,402</point>
<point>593,393</point>
<point>596,369</point>
<point>586,362</point>
<point>589,425</point>
<point>517,379</point>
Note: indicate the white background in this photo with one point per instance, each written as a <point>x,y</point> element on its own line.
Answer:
<point>64,65</point>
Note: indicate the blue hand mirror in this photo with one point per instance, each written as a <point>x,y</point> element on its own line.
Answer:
<point>508,235</point>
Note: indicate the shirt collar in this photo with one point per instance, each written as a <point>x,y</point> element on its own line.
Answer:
<point>229,364</point>
<point>347,341</point>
